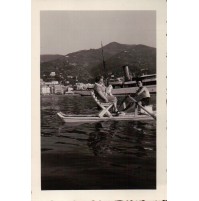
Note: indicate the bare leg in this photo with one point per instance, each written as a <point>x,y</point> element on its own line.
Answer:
<point>130,106</point>
<point>113,100</point>
<point>140,102</point>
<point>115,106</point>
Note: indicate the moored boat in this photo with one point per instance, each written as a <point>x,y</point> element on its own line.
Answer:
<point>119,91</point>
<point>128,86</point>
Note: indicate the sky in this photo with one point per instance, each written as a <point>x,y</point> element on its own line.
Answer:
<point>63,32</point>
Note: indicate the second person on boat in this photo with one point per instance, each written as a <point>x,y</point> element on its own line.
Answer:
<point>104,93</point>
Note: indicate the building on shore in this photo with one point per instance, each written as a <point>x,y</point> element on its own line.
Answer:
<point>59,89</point>
<point>45,90</point>
<point>52,83</point>
<point>82,86</point>
<point>47,87</point>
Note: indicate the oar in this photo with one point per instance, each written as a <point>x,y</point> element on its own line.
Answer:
<point>152,115</point>
<point>122,102</point>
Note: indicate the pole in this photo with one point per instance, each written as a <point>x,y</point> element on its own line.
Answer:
<point>122,101</point>
<point>104,65</point>
<point>152,115</point>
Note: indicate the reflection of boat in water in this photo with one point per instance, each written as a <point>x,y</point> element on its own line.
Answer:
<point>94,118</point>
<point>106,140</point>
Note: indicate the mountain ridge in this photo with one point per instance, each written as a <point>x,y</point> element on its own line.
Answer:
<point>86,64</point>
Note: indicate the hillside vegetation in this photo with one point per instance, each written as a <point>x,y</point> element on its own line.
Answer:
<point>86,64</point>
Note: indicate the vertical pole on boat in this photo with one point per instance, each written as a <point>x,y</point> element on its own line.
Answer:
<point>104,65</point>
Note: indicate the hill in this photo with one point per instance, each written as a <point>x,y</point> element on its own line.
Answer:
<point>137,57</point>
<point>49,57</point>
<point>86,64</point>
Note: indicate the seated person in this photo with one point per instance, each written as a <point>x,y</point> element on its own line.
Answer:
<point>142,96</point>
<point>104,94</point>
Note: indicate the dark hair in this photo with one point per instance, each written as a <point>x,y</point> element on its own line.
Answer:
<point>139,80</point>
<point>98,78</point>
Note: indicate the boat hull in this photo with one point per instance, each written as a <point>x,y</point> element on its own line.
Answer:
<point>119,91</point>
<point>94,118</point>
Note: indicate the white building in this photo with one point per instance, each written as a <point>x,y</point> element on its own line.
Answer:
<point>51,83</point>
<point>59,89</point>
<point>52,74</point>
<point>45,89</point>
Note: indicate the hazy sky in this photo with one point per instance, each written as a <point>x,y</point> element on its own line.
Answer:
<point>63,32</point>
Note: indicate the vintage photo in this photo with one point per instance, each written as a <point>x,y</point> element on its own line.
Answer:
<point>98,100</point>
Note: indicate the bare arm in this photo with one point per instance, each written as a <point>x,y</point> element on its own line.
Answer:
<point>141,91</point>
<point>101,94</point>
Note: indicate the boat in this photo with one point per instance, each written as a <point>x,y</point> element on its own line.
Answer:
<point>68,118</point>
<point>148,80</point>
<point>119,91</point>
<point>105,115</point>
<point>128,86</point>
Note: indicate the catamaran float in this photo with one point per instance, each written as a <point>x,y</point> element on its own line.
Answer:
<point>95,118</point>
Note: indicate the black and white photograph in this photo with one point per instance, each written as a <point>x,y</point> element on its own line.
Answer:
<point>99,112</point>
<point>98,100</point>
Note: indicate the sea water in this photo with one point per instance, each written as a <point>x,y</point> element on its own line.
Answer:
<point>101,155</point>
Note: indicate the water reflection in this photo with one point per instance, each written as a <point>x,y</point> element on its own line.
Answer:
<point>108,140</point>
<point>100,140</point>
<point>111,138</point>
<point>117,154</point>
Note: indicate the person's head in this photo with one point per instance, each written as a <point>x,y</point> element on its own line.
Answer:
<point>139,83</point>
<point>99,79</point>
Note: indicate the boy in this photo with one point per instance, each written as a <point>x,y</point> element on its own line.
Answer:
<point>142,96</point>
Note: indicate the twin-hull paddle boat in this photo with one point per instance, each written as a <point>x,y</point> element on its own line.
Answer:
<point>105,114</point>
<point>95,118</point>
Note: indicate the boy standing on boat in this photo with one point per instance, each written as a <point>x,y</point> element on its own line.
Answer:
<point>104,93</point>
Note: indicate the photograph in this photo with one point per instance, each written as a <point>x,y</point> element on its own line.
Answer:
<point>98,99</point>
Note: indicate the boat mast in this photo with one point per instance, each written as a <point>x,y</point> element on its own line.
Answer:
<point>104,65</point>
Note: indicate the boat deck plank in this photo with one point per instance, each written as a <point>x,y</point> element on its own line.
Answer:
<point>95,118</point>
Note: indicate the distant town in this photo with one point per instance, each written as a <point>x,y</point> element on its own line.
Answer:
<point>52,86</point>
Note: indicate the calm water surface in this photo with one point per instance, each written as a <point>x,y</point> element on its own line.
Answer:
<point>103,155</point>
